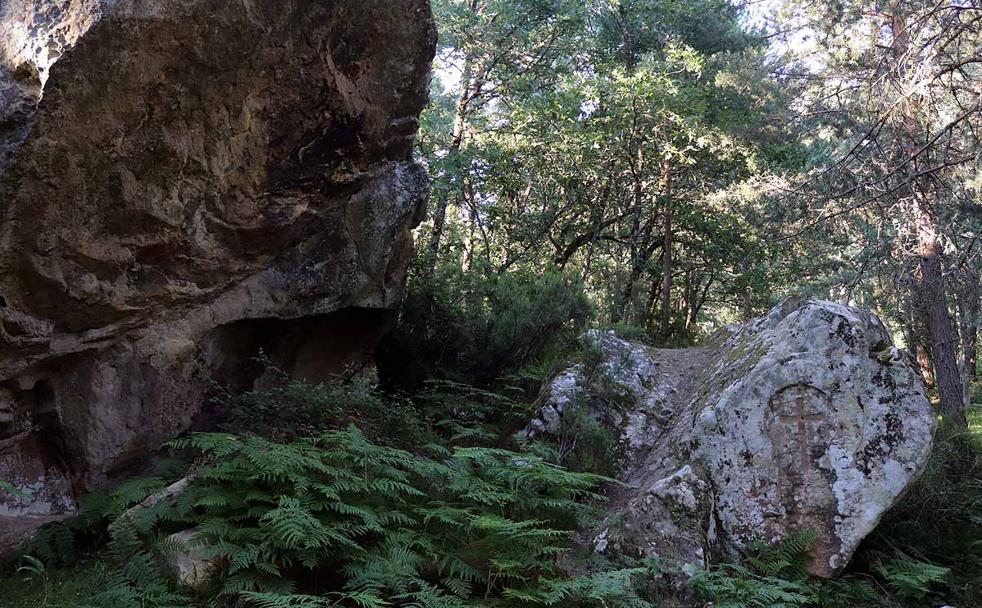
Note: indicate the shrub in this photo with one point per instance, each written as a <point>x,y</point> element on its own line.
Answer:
<point>586,444</point>
<point>284,409</point>
<point>975,393</point>
<point>467,415</point>
<point>473,327</point>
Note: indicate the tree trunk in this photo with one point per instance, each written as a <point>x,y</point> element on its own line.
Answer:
<point>471,219</point>
<point>461,113</point>
<point>967,305</point>
<point>631,295</point>
<point>926,363</point>
<point>939,324</point>
<point>627,43</point>
<point>698,302</point>
<point>439,219</point>
<point>748,306</point>
<point>666,255</point>
<point>932,288</point>
<point>915,329</point>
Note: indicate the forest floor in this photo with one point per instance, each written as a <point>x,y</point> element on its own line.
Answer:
<point>70,587</point>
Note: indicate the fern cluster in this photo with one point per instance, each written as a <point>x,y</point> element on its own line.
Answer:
<point>788,559</point>
<point>735,586</point>
<point>314,518</point>
<point>911,579</point>
<point>67,542</point>
<point>773,577</point>
<point>337,520</point>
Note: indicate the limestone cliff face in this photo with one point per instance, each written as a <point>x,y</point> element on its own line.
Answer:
<point>183,182</point>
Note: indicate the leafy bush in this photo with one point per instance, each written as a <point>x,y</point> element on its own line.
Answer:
<point>467,415</point>
<point>975,393</point>
<point>284,408</point>
<point>585,444</point>
<point>474,328</point>
<point>56,588</point>
<point>850,591</point>
<point>629,331</point>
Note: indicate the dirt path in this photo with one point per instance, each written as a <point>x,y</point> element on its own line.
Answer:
<point>678,377</point>
<point>680,369</point>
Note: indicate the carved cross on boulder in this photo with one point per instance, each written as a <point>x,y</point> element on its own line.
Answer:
<point>797,425</point>
<point>802,425</point>
<point>798,421</point>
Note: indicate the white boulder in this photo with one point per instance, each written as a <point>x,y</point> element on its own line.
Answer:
<point>808,419</point>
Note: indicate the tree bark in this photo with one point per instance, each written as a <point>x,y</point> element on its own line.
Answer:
<point>698,303</point>
<point>967,306</point>
<point>926,363</point>
<point>915,329</point>
<point>939,324</point>
<point>627,43</point>
<point>468,87</point>
<point>666,254</point>
<point>748,306</point>
<point>631,295</point>
<point>932,287</point>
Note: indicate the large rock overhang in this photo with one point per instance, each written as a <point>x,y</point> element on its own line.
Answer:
<point>176,172</point>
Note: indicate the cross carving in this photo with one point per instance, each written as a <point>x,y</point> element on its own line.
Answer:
<point>802,420</point>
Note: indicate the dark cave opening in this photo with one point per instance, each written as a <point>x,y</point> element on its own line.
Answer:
<point>34,448</point>
<point>34,413</point>
<point>315,349</point>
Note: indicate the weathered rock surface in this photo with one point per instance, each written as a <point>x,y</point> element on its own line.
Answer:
<point>808,419</point>
<point>190,563</point>
<point>183,182</point>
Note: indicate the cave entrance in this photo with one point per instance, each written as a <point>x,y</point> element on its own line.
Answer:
<point>314,349</point>
<point>33,453</point>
